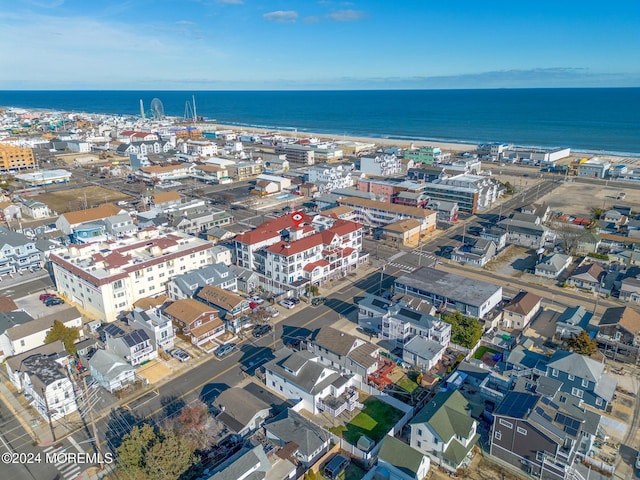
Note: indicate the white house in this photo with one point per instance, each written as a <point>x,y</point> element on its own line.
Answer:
<point>135,347</point>
<point>445,431</point>
<point>423,353</point>
<point>110,370</point>
<point>34,209</point>
<point>158,327</point>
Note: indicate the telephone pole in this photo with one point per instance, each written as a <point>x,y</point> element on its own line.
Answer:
<point>96,438</point>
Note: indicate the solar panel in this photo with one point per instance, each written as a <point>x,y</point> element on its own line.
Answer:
<point>379,303</point>
<point>517,404</point>
<point>410,314</point>
<point>571,431</point>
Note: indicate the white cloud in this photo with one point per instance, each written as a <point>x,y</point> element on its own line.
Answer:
<point>282,16</point>
<point>346,15</point>
<point>185,22</point>
<point>230,2</point>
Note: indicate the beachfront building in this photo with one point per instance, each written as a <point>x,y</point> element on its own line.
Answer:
<point>381,165</point>
<point>426,155</point>
<point>107,278</point>
<point>449,290</point>
<point>15,159</point>
<point>376,214</point>
<point>594,168</point>
<point>297,155</point>
<point>545,157</point>
<point>471,192</point>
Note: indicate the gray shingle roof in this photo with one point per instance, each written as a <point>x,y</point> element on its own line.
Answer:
<point>575,364</point>
<point>290,426</point>
<point>240,405</point>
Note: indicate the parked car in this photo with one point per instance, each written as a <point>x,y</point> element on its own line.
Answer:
<point>46,296</point>
<point>257,299</point>
<point>50,302</point>
<point>286,304</point>
<point>180,355</point>
<point>294,300</point>
<point>318,301</point>
<point>261,330</point>
<point>274,312</point>
<point>253,305</point>
<point>223,350</point>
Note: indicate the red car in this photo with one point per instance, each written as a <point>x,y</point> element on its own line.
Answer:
<point>45,296</point>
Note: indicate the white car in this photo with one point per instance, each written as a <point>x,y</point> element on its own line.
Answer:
<point>286,304</point>
<point>180,355</point>
<point>257,300</point>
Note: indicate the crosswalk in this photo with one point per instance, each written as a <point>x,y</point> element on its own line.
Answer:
<point>68,471</point>
<point>403,267</point>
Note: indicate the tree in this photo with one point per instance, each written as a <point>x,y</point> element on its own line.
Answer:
<point>569,235</point>
<point>597,213</point>
<point>146,453</point>
<point>259,316</point>
<point>581,343</point>
<point>310,475</point>
<point>195,424</point>
<point>465,331</point>
<point>66,335</point>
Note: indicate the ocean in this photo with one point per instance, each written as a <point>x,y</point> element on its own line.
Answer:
<point>595,120</point>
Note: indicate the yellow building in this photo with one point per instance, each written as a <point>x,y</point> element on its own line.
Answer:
<point>15,158</point>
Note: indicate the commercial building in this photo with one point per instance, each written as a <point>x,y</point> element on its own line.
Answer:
<point>375,214</point>
<point>594,168</point>
<point>13,158</point>
<point>297,155</point>
<point>107,278</point>
<point>43,177</point>
<point>426,155</point>
<point>455,292</point>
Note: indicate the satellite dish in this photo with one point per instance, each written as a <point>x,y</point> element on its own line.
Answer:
<point>157,109</point>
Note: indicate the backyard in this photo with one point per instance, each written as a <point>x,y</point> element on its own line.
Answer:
<point>374,421</point>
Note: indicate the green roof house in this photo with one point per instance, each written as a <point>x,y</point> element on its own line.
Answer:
<point>401,461</point>
<point>445,431</point>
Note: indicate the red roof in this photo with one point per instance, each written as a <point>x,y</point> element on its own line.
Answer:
<point>292,248</point>
<point>270,229</point>
<point>310,267</point>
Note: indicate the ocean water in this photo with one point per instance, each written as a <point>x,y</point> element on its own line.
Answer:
<point>585,119</point>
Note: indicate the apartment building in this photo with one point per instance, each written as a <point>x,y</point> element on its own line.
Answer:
<point>107,278</point>
<point>471,192</point>
<point>161,174</point>
<point>375,214</point>
<point>330,177</point>
<point>381,165</point>
<point>297,155</point>
<point>13,158</point>
<point>426,155</point>
<point>201,148</point>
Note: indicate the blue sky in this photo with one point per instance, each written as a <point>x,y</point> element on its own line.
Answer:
<point>325,44</point>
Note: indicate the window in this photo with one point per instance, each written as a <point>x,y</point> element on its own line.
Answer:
<point>599,401</point>
<point>419,444</point>
<point>498,435</point>
<point>504,423</point>
<point>571,377</point>
<point>419,432</point>
<point>521,431</point>
<point>554,372</point>
<point>576,392</point>
<point>585,382</point>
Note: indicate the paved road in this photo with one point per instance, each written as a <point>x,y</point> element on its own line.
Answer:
<point>214,375</point>
<point>25,461</point>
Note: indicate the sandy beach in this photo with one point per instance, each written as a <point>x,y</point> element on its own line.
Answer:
<point>449,147</point>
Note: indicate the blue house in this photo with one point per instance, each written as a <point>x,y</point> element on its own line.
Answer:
<point>582,377</point>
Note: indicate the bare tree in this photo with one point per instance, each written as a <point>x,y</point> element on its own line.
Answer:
<point>568,234</point>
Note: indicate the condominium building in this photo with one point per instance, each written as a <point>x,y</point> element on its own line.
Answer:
<point>329,177</point>
<point>297,154</point>
<point>160,174</point>
<point>15,158</point>
<point>375,214</point>
<point>426,155</point>
<point>381,165</point>
<point>470,192</point>
<point>106,279</point>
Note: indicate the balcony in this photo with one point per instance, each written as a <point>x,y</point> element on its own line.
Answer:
<point>336,405</point>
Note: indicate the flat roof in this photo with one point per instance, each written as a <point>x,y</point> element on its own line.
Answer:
<point>450,285</point>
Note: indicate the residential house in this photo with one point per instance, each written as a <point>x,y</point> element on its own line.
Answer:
<point>9,211</point>
<point>521,310</point>
<point>444,430</point>
<point>399,461</point>
<point>135,346</point>
<point>526,233</point>
<point>573,321</point>
<point>166,201</point>
<point>197,320</point>
<point>446,211</point>
<point>553,265</point>
<point>17,252</point>
<point>253,464</point>
<point>540,210</point>
<point>541,435</point>
<point>248,280</point>
<point>422,353</point>
<point>407,232</point>
<point>588,242</point>
<point>371,311</point>
<point>41,375</point>
<point>309,441</point>
<point>401,323</point>
<point>497,235</point>
<point>300,376</point>
<point>588,276</point>
<point>240,411</point>
<point>118,226</point>
<point>582,377</point>
<point>232,306</point>
<point>345,352</point>
<point>158,327</point>
<point>521,361</point>
<point>188,284</point>
<point>34,209</point>
<point>476,252</point>
<point>31,334</point>
<point>111,371</point>
<point>619,334</point>
<point>630,289</point>
<point>449,290</point>
<point>67,221</point>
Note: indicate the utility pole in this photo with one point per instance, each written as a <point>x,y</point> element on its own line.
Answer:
<point>46,405</point>
<point>96,438</point>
